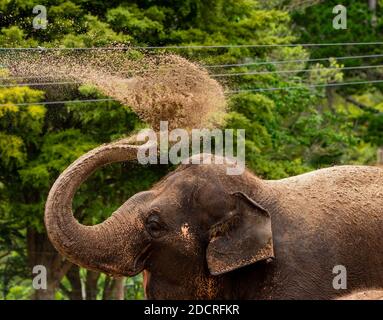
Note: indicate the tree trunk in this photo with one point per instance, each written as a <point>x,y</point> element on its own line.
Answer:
<point>114,289</point>
<point>41,252</point>
<point>91,284</point>
<point>73,276</point>
<point>119,288</point>
<point>380,156</point>
<point>372,6</point>
<point>48,294</point>
<point>330,98</point>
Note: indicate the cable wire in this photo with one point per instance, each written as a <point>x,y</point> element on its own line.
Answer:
<point>202,46</point>
<point>28,77</point>
<point>37,84</point>
<point>237,64</point>
<point>292,60</point>
<point>244,64</point>
<point>227,92</point>
<point>303,87</point>
<point>293,71</point>
<point>56,102</point>
<point>212,75</point>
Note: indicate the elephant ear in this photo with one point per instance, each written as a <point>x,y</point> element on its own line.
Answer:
<point>243,237</point>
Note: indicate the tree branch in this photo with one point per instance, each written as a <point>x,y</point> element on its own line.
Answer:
<point>4,254</point>
<point>360,105</point>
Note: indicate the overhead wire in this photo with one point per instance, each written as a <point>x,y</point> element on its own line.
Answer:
<point>294,71</point>
<point>292,61</point>
<point>32,84</point>
<point>199,46</point>
<point>303,87</point>
<point>57,102</point>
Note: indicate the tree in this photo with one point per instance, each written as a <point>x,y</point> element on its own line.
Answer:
<point>362,103</point>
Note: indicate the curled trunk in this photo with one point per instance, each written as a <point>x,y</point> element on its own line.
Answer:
<point>109,246</point>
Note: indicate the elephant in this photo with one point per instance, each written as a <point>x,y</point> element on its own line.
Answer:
<point>202,234</point>
<point>364,295</point>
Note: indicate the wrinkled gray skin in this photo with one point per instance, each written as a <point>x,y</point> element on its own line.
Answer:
<point>201,234</point>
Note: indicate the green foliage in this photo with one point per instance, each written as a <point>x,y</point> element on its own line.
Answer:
<point>14,37</point>
<point>20,292</point>
<point>375,129</point>
<point>314,25</point>
<point>136,22</point>
<point>134,288</point>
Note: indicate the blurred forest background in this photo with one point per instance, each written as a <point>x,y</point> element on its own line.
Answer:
<point>310,124</point>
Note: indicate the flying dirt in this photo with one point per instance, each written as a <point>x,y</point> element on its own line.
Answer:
<point>157,87</point>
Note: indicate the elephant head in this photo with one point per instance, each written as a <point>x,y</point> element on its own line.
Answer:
<point>187,233</point>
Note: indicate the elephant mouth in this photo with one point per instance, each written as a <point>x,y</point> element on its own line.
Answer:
<point>140,260</point>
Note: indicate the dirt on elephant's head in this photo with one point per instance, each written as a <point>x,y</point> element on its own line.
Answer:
<point>364,295</point>
<point>157,87</point>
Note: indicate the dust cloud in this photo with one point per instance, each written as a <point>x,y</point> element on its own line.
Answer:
<point>157,87</point>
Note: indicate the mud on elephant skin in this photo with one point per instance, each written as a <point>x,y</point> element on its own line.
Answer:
<point>202,234</point>
<point>364,295</point>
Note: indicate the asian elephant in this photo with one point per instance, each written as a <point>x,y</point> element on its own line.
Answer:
<point>202,234</point>
<point>364,295</point>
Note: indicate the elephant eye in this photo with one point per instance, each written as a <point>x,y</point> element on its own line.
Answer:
<point>154,226</point>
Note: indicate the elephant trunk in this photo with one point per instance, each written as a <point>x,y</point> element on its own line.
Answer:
<point>110,246</point>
